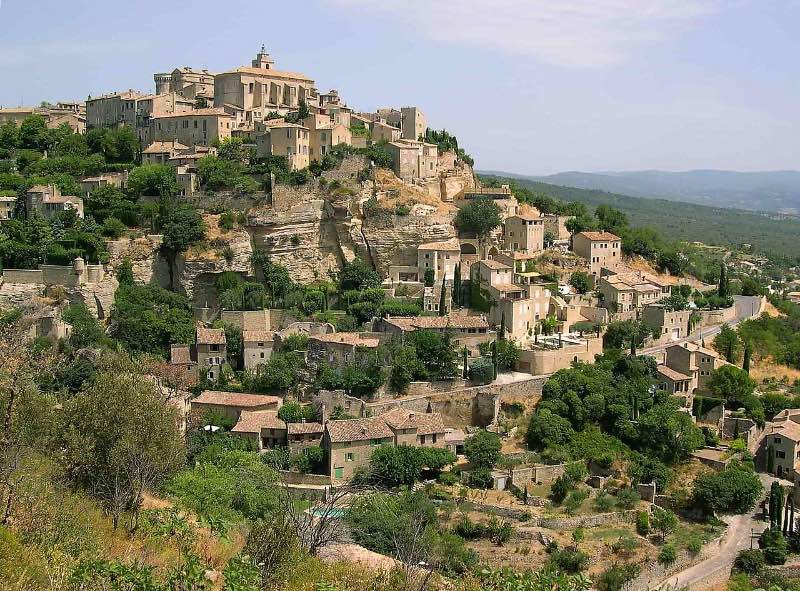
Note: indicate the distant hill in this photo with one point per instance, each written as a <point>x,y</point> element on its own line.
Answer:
<point>777,191</point>
<point>685,221</point>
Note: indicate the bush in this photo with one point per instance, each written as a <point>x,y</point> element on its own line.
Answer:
<point>468,529</point>
<point>481,371</point>
<point>113,228</point>
<point>774,547</point>
<point>627,498</point>
<point>570,560</point>
<point>603,502</point>
<point>643,523</point>
<point>480,478</point>
<point>736,489</point>
<point>668,555</point>
<point>694,545</point>
<point>560,488</point>
<point>625,545</point>
<point>499,532</point>
<point>615,577</point>
<point>750,562</point>
<point>574,501</point>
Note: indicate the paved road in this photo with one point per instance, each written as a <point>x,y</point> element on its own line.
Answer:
<point>746,307</point>
<point>737,538</point>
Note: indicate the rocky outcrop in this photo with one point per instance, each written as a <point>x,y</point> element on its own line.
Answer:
<point>302,238</point>
<point>196,270</point>
<point>148,265</point>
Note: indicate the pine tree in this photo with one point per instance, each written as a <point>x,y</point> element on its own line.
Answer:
<point>443,299</point>
<point>748,352</point>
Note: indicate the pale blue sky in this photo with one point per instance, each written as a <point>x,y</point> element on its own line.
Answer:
<point>529,86</point>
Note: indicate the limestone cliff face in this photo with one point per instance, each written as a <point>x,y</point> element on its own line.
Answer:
<point>148,265</point>
<point>304,238</point>
<point>196,270</point>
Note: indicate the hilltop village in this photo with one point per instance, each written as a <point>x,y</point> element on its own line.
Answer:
<point>265,327</point>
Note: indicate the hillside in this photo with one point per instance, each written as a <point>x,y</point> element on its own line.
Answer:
<point>686,221</point>
<point>777,191</point>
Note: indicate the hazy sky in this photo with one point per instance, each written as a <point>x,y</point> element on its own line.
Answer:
<point>529,86</point>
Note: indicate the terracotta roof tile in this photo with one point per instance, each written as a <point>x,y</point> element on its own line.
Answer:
<point>671,374</point>
<point>210,336</point>
<point>254,421</point>
<point>412,323</point>
<point>424,423</point>
<point>238,399</point>
<point>452,244</point>
<point>599,236</point>
<point>305,428</point>
<point>257,335</point>
<point>347,338</point>
<point>180,355</point>
<point>358,429</point>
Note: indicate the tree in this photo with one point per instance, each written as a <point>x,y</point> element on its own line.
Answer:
<point>664,521</point>
<point>86,330</point>
<point>120,439</point>
<point>667,433</point>
<point>457,286</point>
<point>391,465</point>
<point>748,353</point>
<point>611,220</point>
<point>546,429</point>
<point>153,179</point>
<point>481,371</point>
<point>443,299</point>
<point>483,449</point>
<point>480,216</point>
<point>732,384</point>
<point>183,227</point>
<point>621,333</point>
<point>727,342</point>
<point>667,555</point>
<point>723,289</point>
<point>33,133</point>
<point>435,352</point>
<point>736,489</point>
<point>580,281</point>
<point>358,275</point>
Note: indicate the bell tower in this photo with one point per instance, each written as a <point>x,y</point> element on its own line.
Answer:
<point>263,61</point>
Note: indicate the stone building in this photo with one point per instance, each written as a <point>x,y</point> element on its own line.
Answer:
<point>601,249</point>
<point>439,257</point>
<point>413,123</point>
<point>7,205</point>
<point>208,353</point>
<point>48,201</point>
<point>380,131</point>
<point>155,105</point>
<point>257,346</point>
<point>524,232</point>
<point>626,293</point>
<point>230,405</point>
<point>278,138</point>
<point>673,325</point>
<point>261,89</point>
<point>324,134</point>
<point>263,427</point>
<point>695,361</point>
<point>413,159</point>
<point>548,354</point>
<point>465,331</point>
<point>188,82</point>
<point>339,348</point>
<point>349,443</point>
<point>113,110</point>
<point>782,442</point>
<point>199,127</point>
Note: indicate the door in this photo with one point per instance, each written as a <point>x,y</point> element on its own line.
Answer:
<point>338,472</point>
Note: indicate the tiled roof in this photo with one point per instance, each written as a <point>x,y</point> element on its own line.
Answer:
<point>238,399</point>
<point>210,336</point>
<point>695,348</point>
<point>180,355</point>
<point>412,323</point>
<point>671,374</point>
<point>528,216</point>
<point>786,428</point>
<point>452,244</point>
<point>257,335</point>
<point>358,429</point>
<point>786,414</point>
<point>163,147</point>
<point>506,287</point>
<point>493,264</point>
<point>210,112</point>
<point>254,421</point>
<point>271,73</point>
<point>347,338</point>
<point>425,423</point>
<point>305,428</point>
<point>599,236</point>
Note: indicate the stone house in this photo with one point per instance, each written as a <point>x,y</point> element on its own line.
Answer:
<point>380,131</point>
<point>626,293</point>
<point>416,429</point>
<point>105,179</point>
<point>339,348</point>
<point>440,257</point>
<point>7,205</point>
<point>548,354</point>
<point>782,435</point>
<point>465,331</point>
<point>324,134</point>
<point>413,159</point>
<point>160,152</point>
<point>303,435</point>
<point>413,123</point>
<point>524,232</point>
<point>48,201</point>
<point>209,352</point>
<point>263,427</point>
<point>113,110</point>
<point>557,225</point>
<point>258,346</point>
<point>158,104</point>
<point>676,383</point>
<point>231,405</point>
<point>278,138</point>
<point>601,249</point>
<point>349,443</point>
<point>199,127</point>
<point>673,325</point>
<point>691,359</point>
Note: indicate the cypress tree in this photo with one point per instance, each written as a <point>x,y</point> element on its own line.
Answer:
<point>770,459</point>
<point>502,335</point>
<point>494,360</point>
<point>465,372</point>
<point>786,514</point>
<point>442,299</point>
<point>723,290</point>
<point>457,286</point>
<point>748,352</point>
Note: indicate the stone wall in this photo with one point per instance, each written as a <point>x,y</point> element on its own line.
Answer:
<point>23,276</point>
<point>348,170</point>
<point>289,477</point>
<point>715,317</point>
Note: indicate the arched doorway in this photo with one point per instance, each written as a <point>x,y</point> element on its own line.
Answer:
<point>467,248</point>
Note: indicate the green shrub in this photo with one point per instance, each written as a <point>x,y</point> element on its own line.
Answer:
<point>575,500</point>
<point>750,562</point>
<point>569,560</point>
<point>627,498</point>
<point>774,547</point>
<point>603,502</point>
<point>113,228</point>
<point>615,577</point>
<point>499,532</point>
<point>643,523</point>
<point>468,529</point>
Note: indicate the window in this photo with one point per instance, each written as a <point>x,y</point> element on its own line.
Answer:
<point>215,347</point>
<point>250,88</point>
<point>422,439</point>
<point>778,440</point>
<point>780,454</point>
<point>376,442</point>
<point>433,437</point>
<point>262,354</point>
<point>349,457</point>
<point>338,472</point>
<point>260,344</point>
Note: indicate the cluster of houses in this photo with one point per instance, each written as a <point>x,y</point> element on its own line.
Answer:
<point>347,443</point>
